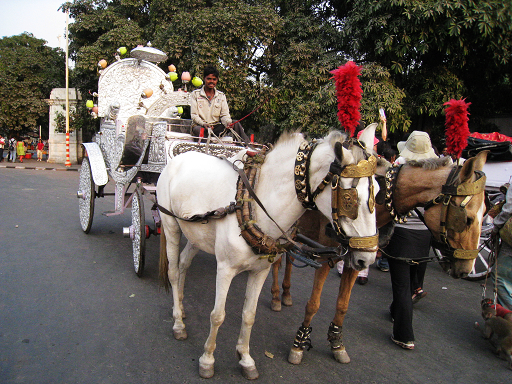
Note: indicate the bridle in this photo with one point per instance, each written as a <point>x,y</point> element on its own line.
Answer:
<point>344,202</point>
<point>453,217</point>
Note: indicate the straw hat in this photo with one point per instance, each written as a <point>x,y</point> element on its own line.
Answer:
<point>417,147</point>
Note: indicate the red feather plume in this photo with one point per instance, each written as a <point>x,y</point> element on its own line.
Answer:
<point>457,131</point>
<point>348,93</point>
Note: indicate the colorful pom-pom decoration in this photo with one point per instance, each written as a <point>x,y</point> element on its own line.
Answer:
<point>457,130</point>
<point>348,93</point>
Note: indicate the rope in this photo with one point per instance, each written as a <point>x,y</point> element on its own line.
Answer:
<point>249,114</point>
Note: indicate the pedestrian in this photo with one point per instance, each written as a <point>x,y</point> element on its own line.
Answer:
<point>209,108</point>
<point>40,148</point>
<point>502,272</point>
<point>12,149</point>
<point>2,145</point>
<point>20,149</point>
<point>410,240</point>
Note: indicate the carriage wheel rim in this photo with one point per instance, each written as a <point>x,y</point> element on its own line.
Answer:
<point>86,204</point>
<point>138,232</point>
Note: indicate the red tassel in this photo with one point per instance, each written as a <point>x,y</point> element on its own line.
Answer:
<point>348,93</point>
<point>457,131</point>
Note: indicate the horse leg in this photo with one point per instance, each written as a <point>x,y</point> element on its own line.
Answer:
<point>302,339</point>
<point>275,304</point>
<point>225,275</point>
<point>334,335</point>
<point>287,296</point>
<point>186,257</point>
<point>173,235</point>
<point>255,282</point>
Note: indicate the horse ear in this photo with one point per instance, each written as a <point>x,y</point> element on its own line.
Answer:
<point>368,135</point>
<point>338,151</point>
<point>475,163</point>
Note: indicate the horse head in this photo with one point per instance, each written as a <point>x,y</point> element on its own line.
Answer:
<point>456,216</point>
<point>350,204</point>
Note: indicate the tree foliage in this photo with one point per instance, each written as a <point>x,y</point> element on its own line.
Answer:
<point>29,70</point>
<point>435,50</point>
<point>275,55</point>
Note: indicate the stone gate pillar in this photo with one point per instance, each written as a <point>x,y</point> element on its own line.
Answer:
<point>57,139</point>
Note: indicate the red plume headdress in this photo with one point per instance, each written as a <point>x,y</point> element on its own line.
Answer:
<point>348,92</point>
<point>457,131</point>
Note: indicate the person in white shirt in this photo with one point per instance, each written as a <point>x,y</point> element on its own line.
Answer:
<point>209,108</point>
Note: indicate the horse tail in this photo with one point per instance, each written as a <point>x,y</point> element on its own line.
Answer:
<point>164,262</point>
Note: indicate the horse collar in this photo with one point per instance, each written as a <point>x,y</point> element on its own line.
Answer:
<point>391,181</point>
<point>301,172</point>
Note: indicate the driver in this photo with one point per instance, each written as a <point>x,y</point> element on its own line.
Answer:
<point>209,108</point>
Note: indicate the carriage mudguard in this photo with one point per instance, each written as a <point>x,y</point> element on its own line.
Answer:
<point>98,167</point>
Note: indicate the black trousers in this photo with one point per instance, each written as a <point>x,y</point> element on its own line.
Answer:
<point>405,278</point>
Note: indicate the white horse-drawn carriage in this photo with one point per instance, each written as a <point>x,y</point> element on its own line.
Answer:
<point>140,131</point>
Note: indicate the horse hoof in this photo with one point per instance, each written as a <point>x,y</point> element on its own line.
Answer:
<point>341,355</point>
<point>206,371</point>
<point>287,301</point>
<point>180,334</point>
<point>275,306</point>
<point>250,373</point>
<point>295,356</point>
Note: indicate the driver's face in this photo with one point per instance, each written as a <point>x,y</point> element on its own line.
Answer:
<point>210,81</point>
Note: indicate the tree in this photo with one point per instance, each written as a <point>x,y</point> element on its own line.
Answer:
<point>435,50</point>
<point>29,70</point>
<point>273,55</point>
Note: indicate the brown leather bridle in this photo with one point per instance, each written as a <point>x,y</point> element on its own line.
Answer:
<point>454,217</point>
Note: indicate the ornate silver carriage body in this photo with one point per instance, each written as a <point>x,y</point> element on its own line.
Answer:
<point>140,131</point>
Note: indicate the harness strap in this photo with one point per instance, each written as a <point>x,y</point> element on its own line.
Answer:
<point>218,213</point>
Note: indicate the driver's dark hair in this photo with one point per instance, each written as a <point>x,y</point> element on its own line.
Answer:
<point>210,70</point>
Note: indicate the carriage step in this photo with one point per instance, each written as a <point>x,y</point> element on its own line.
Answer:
<point>305,259</point>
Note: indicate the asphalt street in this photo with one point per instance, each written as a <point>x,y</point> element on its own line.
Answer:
<point>73,311</point>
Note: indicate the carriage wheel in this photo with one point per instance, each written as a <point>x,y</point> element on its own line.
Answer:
<point>86,195</point>
<point>138,232</point>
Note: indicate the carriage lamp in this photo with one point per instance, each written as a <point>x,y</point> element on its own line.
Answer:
<point>122,51</point>
<point>172,75</point>
<point>180,110</point>
<point>197,82</point>
<point>185,77</point>
<point>172,68</point>
<point>89,104</point>
<point>102,63</point>
<point>148,92</point>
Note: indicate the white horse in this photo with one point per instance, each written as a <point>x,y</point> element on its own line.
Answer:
<point>195,183</point>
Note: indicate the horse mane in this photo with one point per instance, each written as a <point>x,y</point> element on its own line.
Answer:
<point>431,164</point>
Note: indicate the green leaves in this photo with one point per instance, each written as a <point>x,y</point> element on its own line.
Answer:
<point>29,70</point>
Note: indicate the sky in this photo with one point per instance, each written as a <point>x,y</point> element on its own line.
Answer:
<point>39,17</point>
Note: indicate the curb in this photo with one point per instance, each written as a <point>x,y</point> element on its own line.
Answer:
<point>38,168</point>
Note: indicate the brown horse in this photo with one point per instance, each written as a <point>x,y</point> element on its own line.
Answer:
<point>453,198</point>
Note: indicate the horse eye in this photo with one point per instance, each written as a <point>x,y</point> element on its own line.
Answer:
<point>469,221</point>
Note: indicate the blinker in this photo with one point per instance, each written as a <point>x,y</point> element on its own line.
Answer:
<point>456,218</point>
<point>344,201</point>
